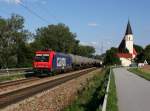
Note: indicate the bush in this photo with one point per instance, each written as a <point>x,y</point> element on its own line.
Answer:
<point>91,96</point>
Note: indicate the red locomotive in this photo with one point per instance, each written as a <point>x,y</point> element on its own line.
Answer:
<point>49,61</point>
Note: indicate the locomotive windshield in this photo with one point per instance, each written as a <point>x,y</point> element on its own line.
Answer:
<point>42,57</point>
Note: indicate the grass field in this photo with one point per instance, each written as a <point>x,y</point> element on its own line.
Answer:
<point>11,77</point>
<point>14,76</point>
<point>91,96</point>
<point>112,95</point>
<point>141,72</point>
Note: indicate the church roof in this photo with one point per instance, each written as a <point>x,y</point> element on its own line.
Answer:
<point>122,45</point>
<point>124,55</point>
<point>128,30</point>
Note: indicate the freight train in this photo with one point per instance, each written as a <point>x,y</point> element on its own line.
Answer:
<point>48,61</point>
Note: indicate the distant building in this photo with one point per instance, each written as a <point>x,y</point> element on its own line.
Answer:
<point>143,64</point>
<point>126,49</point>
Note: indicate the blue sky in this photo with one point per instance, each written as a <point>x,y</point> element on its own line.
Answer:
<point>95,22</point>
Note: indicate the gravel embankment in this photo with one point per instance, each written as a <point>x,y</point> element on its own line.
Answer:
<point>54,99</point>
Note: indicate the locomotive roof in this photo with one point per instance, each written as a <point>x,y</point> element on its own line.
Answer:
<point>43,52</point>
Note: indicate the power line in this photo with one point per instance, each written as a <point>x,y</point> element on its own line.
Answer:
<point>46,10</point>
<point>102,47</point>
<point>32,12</point>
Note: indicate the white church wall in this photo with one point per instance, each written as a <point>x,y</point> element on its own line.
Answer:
<point>125,61</point>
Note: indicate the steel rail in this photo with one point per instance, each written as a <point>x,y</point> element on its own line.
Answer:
<point>16,82</point>
<point>21,94</point>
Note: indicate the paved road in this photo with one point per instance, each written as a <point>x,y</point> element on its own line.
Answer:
<point>133,91</point>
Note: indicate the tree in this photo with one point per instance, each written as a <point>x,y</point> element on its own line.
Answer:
<point>59,38</point>
<point>139,49</point>
<point>86,51</point>
<point>147,53</point>
<point>56,37</point>
<point>16,51</point>
<point>111,58</point>
<point>12,39</point>
<point>140,55</point>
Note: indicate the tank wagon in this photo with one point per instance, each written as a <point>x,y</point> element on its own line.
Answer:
<point>47,61</point>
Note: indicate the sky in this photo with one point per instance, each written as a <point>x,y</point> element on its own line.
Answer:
<point>100,23</point>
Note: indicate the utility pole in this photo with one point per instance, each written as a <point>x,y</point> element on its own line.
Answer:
<point>102,47</point>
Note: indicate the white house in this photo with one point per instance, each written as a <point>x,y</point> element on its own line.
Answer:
<point>143,64</point>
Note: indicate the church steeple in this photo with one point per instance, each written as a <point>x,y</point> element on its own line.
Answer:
<point>129,38</point>
<point>128,30</point>
<point>127,42</point>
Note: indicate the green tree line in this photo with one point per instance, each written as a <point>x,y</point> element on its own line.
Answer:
<point>143,54</point>
<point>17,44</point>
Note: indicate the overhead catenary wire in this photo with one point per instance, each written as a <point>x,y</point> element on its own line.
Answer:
<point>32,12</point>
<point>36,14</point>
<point>50,12</point>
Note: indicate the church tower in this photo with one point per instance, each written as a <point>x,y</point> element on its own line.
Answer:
<point>129,38</point>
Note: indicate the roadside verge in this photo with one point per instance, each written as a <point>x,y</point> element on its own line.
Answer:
<point>141,73</point>
<point>112,95</point>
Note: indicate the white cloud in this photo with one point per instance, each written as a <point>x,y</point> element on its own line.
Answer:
<point>12,1</point>
<point>20,1</point>
<point>92,24</point>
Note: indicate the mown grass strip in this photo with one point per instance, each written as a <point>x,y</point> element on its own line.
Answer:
<point>141,73</point>
<point>11,77</point>
<point>112,95</point>
<point>15,76</point>
<point>92,95</point>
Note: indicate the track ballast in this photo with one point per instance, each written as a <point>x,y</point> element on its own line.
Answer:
<point>21,94</point>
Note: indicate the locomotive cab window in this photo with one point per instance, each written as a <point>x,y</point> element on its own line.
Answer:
<point>42,57</point>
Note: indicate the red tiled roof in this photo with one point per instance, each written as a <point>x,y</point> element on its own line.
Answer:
<point>124,55</point>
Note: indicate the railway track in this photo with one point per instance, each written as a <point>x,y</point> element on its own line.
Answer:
<point>12,83</point>
<point>21,94</point>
